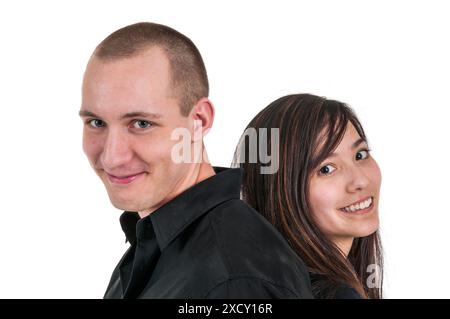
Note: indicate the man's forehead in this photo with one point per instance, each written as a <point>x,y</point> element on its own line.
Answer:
<point>149,69</point>
<point>126,86</point>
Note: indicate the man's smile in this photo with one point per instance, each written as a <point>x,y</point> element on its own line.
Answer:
<point>124,179</point>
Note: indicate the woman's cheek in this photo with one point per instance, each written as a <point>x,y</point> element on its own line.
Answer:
<point>375,174</point>
<point>325,198</point>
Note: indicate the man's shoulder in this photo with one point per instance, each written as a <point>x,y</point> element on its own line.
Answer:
<point>252,249</point>
<point>237,222</point>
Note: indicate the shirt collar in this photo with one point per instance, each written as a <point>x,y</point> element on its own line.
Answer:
<point>168,221</point>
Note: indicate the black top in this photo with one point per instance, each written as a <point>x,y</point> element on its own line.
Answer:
<point>207,243</point>
<point>323,288</point>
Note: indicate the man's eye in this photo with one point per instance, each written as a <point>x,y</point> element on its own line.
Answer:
<point>327,169</point>
<point>362,154</point>
<point>96,123</point>
<point>141,124</point>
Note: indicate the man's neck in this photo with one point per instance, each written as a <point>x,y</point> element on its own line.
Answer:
<point>198,174</point>
<point>205,171</point>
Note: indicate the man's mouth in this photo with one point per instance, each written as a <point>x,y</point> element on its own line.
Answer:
<point>124,179</point>
<point>360,207</point>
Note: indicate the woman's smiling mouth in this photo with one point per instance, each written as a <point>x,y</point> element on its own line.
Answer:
<point>361,207</point>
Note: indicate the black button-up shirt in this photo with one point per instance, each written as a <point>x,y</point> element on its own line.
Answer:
<point>207,243</point>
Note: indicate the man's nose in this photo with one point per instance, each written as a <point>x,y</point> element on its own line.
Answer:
<point>116,151</point>
<point>357,179</point>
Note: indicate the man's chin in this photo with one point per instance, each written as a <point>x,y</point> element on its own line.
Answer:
<point>124,204</point>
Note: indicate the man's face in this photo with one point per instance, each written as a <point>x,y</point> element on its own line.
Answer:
<point>129,112</point>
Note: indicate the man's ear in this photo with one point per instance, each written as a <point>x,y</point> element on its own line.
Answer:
<point>203,117</point>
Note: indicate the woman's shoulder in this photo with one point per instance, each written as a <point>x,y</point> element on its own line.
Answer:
<point>346,292</point>
<point>323,288</point>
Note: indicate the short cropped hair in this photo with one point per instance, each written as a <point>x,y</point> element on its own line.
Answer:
<point>188,73</point>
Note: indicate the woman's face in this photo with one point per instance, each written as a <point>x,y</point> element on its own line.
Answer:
<point>344,191</point>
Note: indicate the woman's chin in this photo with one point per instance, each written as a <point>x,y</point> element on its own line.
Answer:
<point>365,230</point>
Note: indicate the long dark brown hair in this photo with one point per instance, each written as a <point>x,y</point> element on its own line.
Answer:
<point>310,129</point>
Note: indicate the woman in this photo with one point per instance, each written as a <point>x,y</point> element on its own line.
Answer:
<point>324,196</point>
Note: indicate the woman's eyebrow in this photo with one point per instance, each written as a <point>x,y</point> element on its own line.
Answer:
<point>354,145</point>
<point>359,141</point>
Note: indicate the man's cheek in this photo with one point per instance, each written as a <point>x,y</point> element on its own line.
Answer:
<point>88,151</point>
<point>91,146</point>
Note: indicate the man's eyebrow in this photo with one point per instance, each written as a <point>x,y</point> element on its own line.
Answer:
<point>141,114</point>
<point>87,113</point>
<point>125,116</point>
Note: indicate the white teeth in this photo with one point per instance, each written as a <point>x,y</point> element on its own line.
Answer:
<point>358,206</point>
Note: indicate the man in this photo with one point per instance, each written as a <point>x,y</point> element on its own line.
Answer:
<point>190,234</point>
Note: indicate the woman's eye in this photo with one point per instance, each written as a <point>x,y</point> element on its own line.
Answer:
<point>96,123</point>
<point>141,124</point>
<point>362,155</point>
<point>327,169</point>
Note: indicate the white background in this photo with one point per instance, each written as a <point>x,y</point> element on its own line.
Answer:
<point>59,235</point>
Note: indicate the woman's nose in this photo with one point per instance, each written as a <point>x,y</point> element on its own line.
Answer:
<point>357,179</point>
